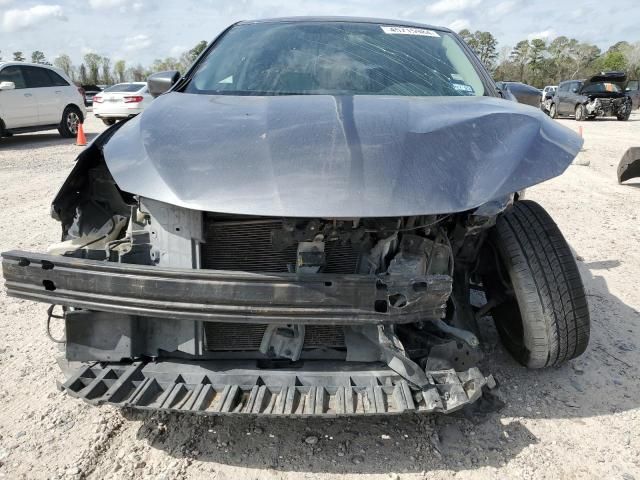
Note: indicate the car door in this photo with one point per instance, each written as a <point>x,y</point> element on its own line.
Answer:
<point>18,107</point>
<point>572,97</point>
<point>50,98</point>
<point>561,95</point>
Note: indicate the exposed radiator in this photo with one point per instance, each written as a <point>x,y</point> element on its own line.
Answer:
<point>224,337</point>
<point>246,246</point>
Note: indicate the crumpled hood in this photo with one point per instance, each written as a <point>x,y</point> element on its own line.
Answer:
<point>326,156</point>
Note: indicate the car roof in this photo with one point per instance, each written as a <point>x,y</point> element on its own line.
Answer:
<point>28,64</point>
<point>377,21</point>
<point>59,71</point>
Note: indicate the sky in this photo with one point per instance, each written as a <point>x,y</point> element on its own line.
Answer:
<point>140,31</point>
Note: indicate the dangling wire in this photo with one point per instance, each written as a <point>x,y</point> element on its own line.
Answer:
<point>50,315</point>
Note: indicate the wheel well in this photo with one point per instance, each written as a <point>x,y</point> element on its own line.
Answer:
<point>73,105</point>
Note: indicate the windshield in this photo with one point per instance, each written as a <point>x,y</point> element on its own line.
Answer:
<point>602,87</point>
<point>125,87</point>
<point>336,58</point>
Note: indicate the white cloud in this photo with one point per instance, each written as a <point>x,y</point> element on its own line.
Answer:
<point>459,24</point>
<point>100,4</point>
<point>4,3</point>
<point>447,6</point>
<point>137,42</point>
<point>544,35</point>
<point>15,19</point>
<point>503,8</point>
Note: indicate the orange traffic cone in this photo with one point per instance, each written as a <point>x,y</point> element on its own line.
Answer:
<point>81,140</point>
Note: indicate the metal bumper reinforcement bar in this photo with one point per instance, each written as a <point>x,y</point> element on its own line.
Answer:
<point>224,296</point>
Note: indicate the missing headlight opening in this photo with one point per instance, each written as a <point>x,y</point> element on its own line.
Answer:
<point>315,243</point>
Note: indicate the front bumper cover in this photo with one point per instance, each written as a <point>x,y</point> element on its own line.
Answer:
<point>224,296</point>
<point>314,389</point>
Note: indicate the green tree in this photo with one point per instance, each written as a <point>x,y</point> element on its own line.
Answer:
<point>619,47</point>
<point>169,63</point>
<point>483,44</point>
<point>632,55</point>
<point>84,79</point>
<point>18,57</point>
<point>119,69</point>
<point>520,57</point>
<point>560,55</point>
<point>38,57</point>
<point>614,60</point>
<point>536,61</point>
<point>466,35</point>
<point>137,73</point>
<point>486,48</point>
<point>63,62</point>
<point>93,62</point>
<point>582,55</point>
<point>197,50</point>
<point>106,71</point>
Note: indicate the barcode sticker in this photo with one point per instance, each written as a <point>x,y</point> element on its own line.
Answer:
<point>394,30</point>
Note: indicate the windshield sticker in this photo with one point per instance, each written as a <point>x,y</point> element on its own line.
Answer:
<point>422,32</point>
<point>463,88</point>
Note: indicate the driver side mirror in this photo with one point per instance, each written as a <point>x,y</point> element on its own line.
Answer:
<point>574,90</point>
<point>161,82</point>
<point>7,86</point>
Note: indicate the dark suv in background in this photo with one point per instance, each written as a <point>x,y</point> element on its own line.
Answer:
<point>602,95</point>
<point>633,92</point>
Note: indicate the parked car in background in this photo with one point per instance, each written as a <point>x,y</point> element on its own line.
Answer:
<point>295,225</point>
<point>36,97</point>
<point>633,92</point>
<point>89,92</point>
<point>120,101</point>
<point>549,90</point>
<point>602,95</point>
<point>524,93</point>
<point>547,98</point>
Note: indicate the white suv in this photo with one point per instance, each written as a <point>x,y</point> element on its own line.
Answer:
<point>37,97</point>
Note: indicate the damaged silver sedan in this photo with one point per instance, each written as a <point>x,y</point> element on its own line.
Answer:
<point>296,227</point>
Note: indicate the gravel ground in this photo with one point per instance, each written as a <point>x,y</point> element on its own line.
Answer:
<point>575,422</point>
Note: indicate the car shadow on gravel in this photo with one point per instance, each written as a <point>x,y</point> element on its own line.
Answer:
<point>603,381</point>
<point>37,141</point>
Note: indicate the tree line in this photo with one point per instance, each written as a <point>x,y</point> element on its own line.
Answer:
<point>538,62</point>
<point>98,69</point>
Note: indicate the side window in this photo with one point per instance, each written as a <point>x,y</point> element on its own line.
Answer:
<point>633,85</point>
<point>56,79</point>
<point>37,77</point>
<point>563,88</point>
<point>13,74</point>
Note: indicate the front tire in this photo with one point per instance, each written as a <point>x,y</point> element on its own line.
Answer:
<point>581,113</point>
<point>71,117</point>
<point>625,115</point>
<point>544,318</point>
<point>553,111</point>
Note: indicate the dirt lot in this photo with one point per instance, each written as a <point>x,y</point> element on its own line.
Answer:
<point>575,422</point>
